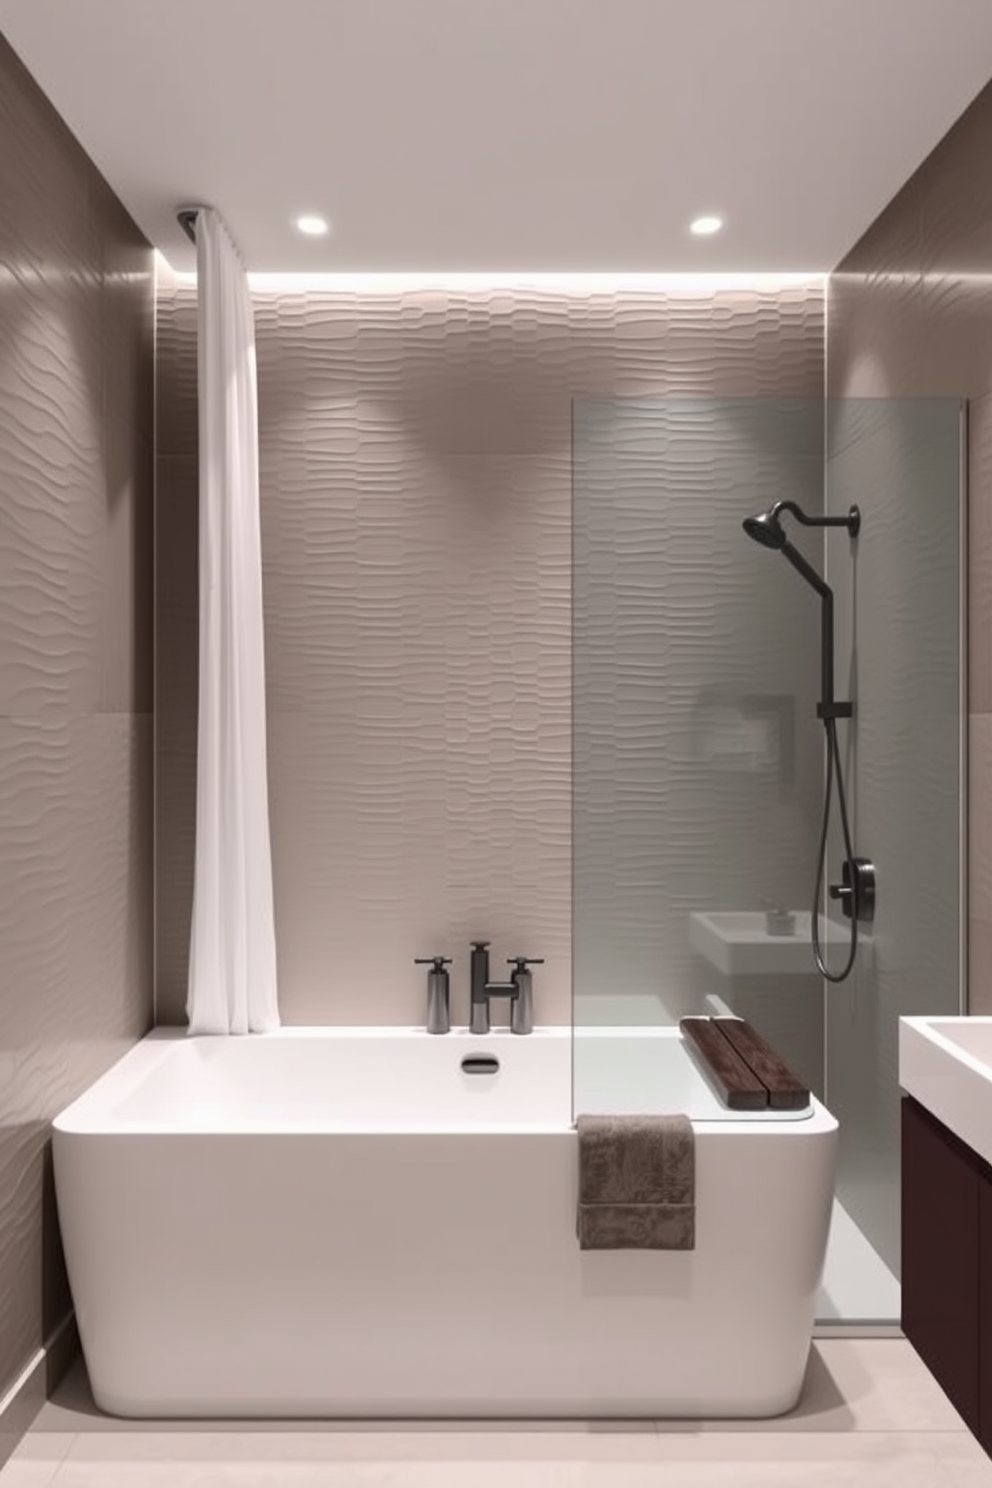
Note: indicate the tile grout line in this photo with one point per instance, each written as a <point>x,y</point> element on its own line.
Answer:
<point>71,1437</point>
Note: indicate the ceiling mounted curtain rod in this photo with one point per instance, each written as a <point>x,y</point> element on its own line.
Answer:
<point>186,217</point>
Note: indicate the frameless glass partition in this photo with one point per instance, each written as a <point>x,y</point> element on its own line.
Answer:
<point>698,756</point>
<point>900,608</point>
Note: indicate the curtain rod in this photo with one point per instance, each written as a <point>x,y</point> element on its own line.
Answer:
<point>186,217</point>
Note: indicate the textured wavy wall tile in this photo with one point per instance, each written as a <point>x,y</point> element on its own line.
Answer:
<point>75,927</point>
<point>950,186</point>
<point>980,967</point>
<point>955,319</point>
<point>49,464</point>
<point>75,581</point>
<point>956,210</point>
<point>21,1150</point>
<point>34,809</point>
<point>75,803</point>
<point>176,641</point>
<point>875,347</point>
<point>377,862</point>
<point>112,879</point>
<point>725,342</point>
<point>127,309</point>
<point>44,183</point>
<point>126,569</point>
<point>175,368</point>
<point>176,635</point>
<point>980,839</point>
<point>416,462</point>
<point>955,302</point>
<point>979,478</point>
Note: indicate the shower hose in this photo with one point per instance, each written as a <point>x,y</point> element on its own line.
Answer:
<point>833,766</point>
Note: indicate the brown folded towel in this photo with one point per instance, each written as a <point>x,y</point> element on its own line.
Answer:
<point>637,1183</point>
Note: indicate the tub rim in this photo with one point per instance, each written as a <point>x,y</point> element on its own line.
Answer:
<point>91,1113</point>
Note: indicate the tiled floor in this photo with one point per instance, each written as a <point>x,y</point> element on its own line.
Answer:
<point>871,1416</point>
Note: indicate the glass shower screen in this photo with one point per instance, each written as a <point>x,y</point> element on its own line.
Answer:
<point>697,753</point>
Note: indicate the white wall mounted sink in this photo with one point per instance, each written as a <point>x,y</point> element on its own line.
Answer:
<point>738,942</point>
<point>946,1064</point>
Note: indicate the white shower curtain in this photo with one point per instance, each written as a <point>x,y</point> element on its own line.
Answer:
<point>232,963</point>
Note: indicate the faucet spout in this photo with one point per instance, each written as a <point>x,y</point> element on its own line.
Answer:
<point>483,989</point>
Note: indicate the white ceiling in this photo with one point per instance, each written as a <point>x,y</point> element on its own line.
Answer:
<point>508,135</point>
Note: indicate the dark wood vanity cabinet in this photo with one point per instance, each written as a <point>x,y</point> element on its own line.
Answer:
<point>947,1263</point>
<point>984,1432</point>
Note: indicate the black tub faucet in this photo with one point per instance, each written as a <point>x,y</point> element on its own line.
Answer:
<point>519,989</point>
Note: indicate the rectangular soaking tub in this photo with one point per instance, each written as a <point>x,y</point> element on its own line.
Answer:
<point>347,1223</point>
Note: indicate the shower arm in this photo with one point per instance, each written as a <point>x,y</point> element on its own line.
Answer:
<point>827,708</point>
<point>852,521</point>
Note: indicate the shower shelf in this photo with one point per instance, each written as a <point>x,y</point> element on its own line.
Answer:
<point>738,943</point>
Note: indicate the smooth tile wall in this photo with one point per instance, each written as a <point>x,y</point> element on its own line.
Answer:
<point>416,492</point>
<point>910,314</point>
<point>76,479</point>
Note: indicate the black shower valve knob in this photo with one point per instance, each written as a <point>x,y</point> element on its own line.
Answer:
<point>856,890</point>
<point>844,893</point>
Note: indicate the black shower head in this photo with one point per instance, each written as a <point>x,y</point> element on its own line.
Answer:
<point>769,532</point>
<point>766,529</point>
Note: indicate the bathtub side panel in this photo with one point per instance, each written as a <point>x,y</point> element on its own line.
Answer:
<point>406,1275</point>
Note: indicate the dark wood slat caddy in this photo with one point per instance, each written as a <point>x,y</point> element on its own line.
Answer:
<point>746,1071</point>
<point>737,1084</point>
<point>785,1091</point>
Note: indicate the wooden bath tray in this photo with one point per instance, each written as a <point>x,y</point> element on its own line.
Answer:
<point>746,1071</point>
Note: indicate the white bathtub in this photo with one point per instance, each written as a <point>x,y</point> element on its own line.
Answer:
<point>340,1222</point>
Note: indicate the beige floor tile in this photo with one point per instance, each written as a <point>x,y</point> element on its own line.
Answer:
<point>678,1460</point>
<point>43,1446</point>
<point>514,1444</point>
<point>964,1462</point>
<point>852,1385</point>
<point>144,1474</point>
<point>296,1474</point>
<point>871,1416</point>
<point>777,1460</point>
<point>22,1472</point>
<point>35,1460</point>
<point>857,1384</point>
<point>886,1386</point>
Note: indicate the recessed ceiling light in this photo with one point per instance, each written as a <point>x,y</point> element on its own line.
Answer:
<point>704,227</point>
<point>314,227</point>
